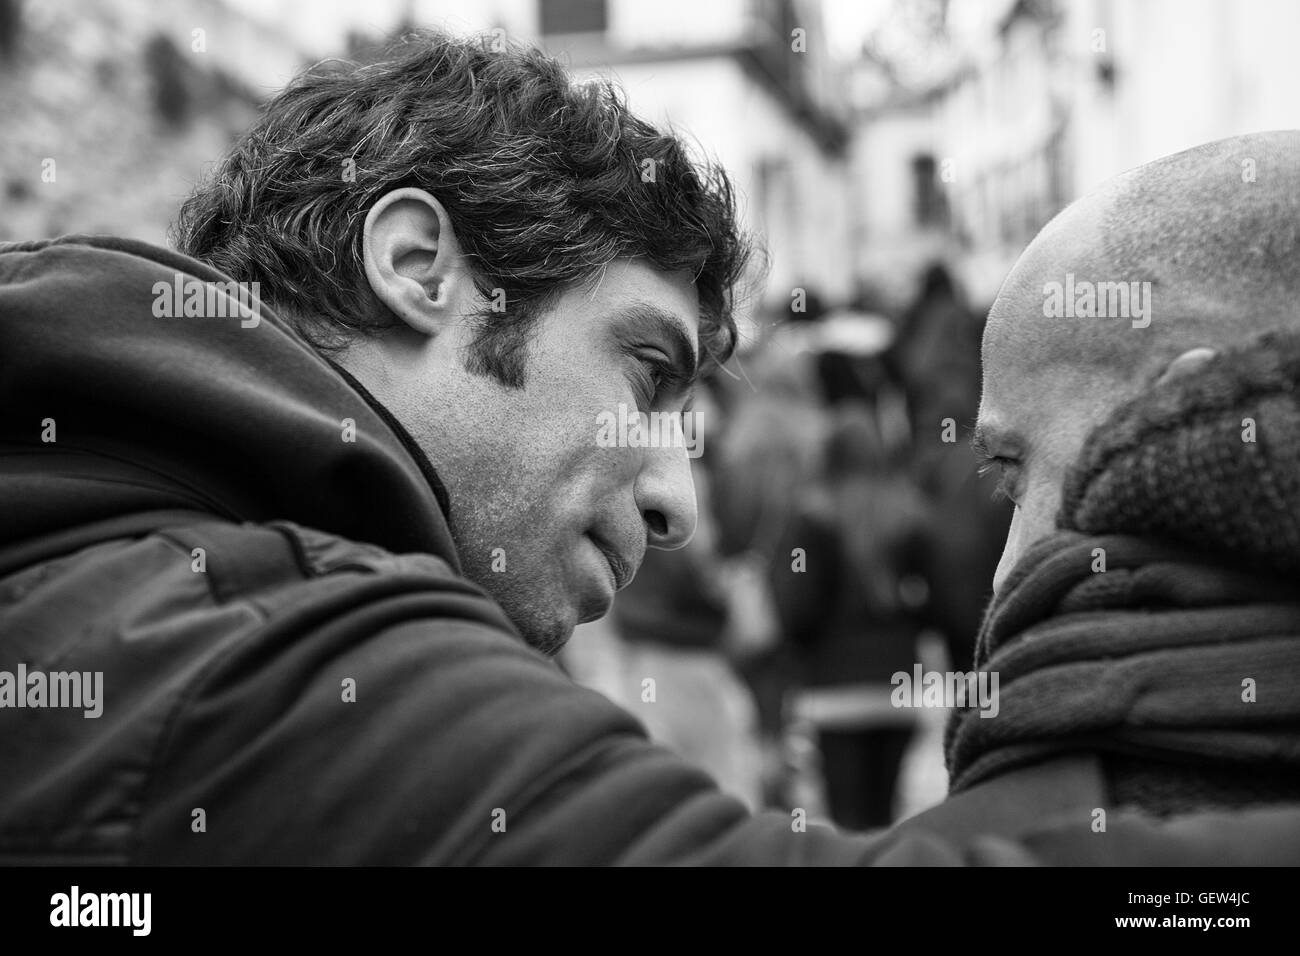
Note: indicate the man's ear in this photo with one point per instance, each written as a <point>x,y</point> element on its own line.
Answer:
<point>1190,362</point>
<point>413,262</point>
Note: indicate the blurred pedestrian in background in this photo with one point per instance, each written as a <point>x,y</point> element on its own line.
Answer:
<point>846,613</point>
<point>936,358</point>
<point>764,461</point>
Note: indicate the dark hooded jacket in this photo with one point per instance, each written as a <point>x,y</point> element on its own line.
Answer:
<point>294,670</point>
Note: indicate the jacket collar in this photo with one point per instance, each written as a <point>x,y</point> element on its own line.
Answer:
<point>152,411</point>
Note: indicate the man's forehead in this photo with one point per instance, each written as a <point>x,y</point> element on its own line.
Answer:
<point>1034,364</point>
<point>1021,333</point>
<point>1027,375</point>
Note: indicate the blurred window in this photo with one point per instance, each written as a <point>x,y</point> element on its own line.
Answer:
<point>11,22</point>
<point>930,204</point>
<point>574,16</point>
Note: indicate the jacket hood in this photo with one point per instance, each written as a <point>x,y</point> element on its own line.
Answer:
<point>111,408</point>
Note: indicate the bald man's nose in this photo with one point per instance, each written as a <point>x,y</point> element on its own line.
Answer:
<point>1010,552</point>
<point>665,493</point>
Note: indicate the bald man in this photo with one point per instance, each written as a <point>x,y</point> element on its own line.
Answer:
<point>1140,408</point>
<point>1213,233</point>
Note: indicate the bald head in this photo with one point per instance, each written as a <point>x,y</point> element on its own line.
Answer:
<point>1148,276</point>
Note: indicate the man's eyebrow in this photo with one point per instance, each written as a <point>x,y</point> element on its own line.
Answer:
<point>643,320</point>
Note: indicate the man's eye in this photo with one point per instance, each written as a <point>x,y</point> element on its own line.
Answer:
<point>656,372</point>
<point>648,374</point>
<point>1006,470</point>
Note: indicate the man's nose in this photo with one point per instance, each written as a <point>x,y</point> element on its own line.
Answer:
<point>665,494</point>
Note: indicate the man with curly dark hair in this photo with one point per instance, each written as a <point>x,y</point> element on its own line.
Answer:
<point>291,523</point>
<point>320,495</point>
<point>496,254</point>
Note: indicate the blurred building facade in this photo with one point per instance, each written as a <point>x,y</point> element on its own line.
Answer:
<point>111,110</point>
<point>1029,104</point>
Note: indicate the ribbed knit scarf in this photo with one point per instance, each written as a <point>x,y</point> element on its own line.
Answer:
<point>1184,652</point>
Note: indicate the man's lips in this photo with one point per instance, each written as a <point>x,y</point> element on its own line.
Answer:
<point>623,569</point>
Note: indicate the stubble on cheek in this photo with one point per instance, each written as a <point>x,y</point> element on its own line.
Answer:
<point>507,548</point>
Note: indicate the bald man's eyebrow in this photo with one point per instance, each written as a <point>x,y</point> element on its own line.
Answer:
<point>646,324</point>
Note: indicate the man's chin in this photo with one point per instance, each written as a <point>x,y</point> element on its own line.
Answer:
<point>597,614</point>
<point>545,626</point>
<point>548,639</point>
<point>550,629</point>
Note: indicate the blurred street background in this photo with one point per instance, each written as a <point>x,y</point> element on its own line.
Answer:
<point>892,156</point>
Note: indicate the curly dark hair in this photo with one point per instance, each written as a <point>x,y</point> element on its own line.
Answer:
<point>543,179</point>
